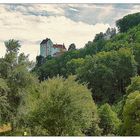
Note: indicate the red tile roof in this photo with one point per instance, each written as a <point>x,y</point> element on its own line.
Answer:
<point>59,46</point>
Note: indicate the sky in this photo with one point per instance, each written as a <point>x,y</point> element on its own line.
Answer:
<point>62,23</point>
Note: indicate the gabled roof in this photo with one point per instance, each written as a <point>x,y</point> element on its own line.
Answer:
<point>59,46</point>
<point>45,41</point>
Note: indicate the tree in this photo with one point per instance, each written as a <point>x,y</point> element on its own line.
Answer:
<point>134,86</point>
<point>10,60</point>
<point>61,107</point>
<point>72,47</point>
<point>99,37</point>
<point>131,115</point>
<point>4,104</point>
<point>73,65</point>
<point>136,49</point>
<point>14,68</point>
<point>12,46</point>
<point>108,73</point>
<point>39,60</point>
<point>128,22</point>
<point>5,68</point>
<point>110,32</point>
<point>48,69</point>
<point>109,121</point>
<point>24,61</point>
<point>18,81</point>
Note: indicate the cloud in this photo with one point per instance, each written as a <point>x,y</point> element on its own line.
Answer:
<point>73,9</point>
<point>30,29</point>
<point>36,9</point>
<point>97,13</point>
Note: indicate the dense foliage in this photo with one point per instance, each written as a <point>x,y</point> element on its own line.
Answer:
<point>131,115</point>
<point>61,107</point>
<point>108,73</point>
<point>128,22</point>
<point>109,120</point>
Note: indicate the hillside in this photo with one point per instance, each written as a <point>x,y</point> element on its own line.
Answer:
<point>120,48</point>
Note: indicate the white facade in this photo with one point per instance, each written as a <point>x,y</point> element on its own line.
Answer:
<point>46,48</point>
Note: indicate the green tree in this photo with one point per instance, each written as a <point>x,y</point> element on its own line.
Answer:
<point>109,121</point>
<point>61,107</point>
<point>39,60</point>
<point>12,46</point>
<point>99,37</point>
<point>128,22</point>
<point>48,70</point>
<point>73,65</point>
<point>108,73</point>
<point>18,81</point>
<point>72,47</point>
<point>5,68</point>
<point>10,60</point>
<point>136,49</point>
<point>135,85</point>
<point>4,104</point>
<point>15,69</point>
<point>131,115</point>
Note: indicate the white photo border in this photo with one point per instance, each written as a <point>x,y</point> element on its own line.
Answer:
<point>68,1</point>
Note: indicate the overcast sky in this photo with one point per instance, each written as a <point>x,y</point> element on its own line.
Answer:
<point>62,23</point>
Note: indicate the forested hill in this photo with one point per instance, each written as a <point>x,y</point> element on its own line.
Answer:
<point>106,64</point>
<point>90,91</point>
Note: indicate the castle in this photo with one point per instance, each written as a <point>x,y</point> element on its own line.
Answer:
<point>47,48</point>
